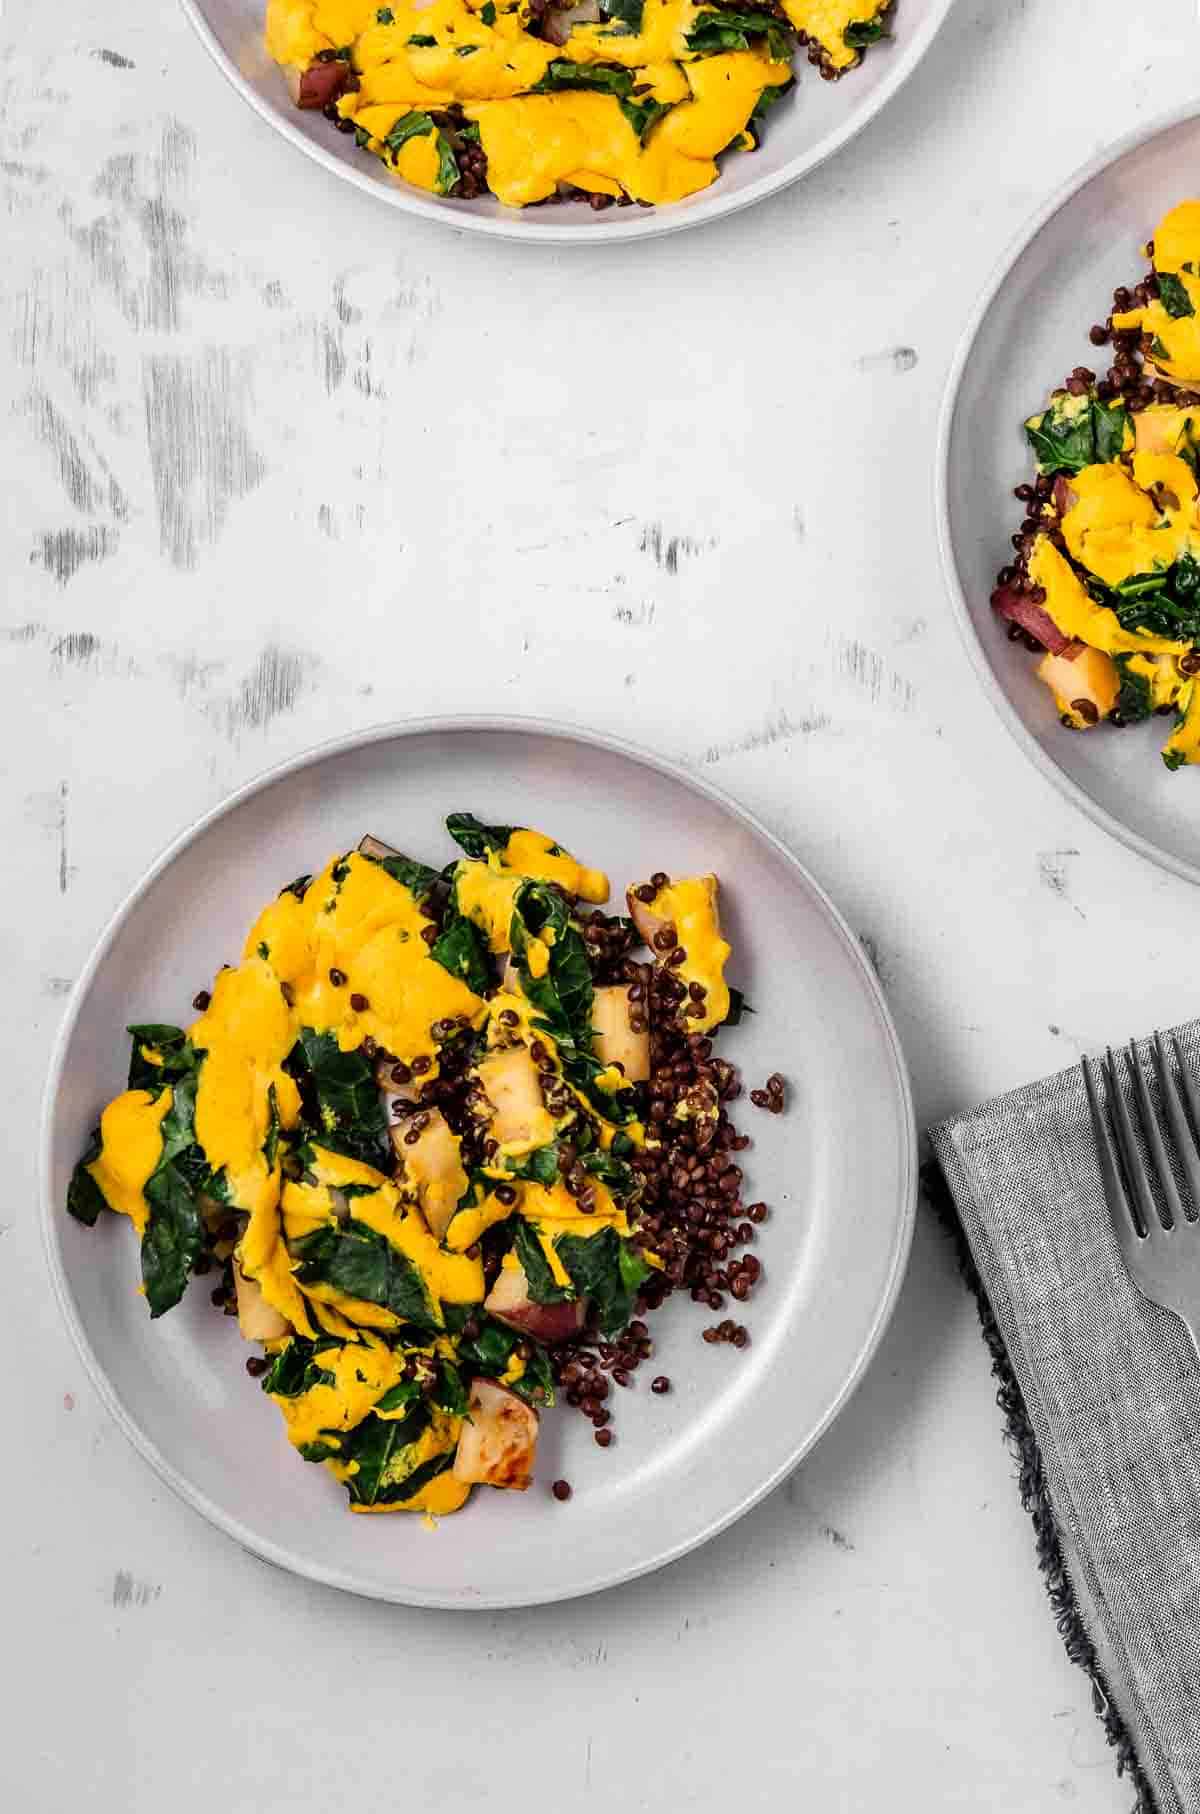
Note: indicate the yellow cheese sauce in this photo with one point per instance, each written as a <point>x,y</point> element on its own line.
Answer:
<point>131,1147</point>
<point>543,130</point>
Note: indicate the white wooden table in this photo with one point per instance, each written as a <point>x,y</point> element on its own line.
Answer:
<point>277,462</point>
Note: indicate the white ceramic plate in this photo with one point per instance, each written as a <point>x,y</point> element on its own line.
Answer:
<point>839,1170</point>
<point>1028,331</point>
<point>805,129</point>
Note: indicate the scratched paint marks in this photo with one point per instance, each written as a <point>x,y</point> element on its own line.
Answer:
<point>47,811</point>
<point>114,59</point>
<point>137,243</point>
<point>201,455</point>
<point>1054,875</point>
<point>128,1590</point>
<point>84,473</point>
<point>666,551</point>
<point>778,727</point>
<point>270,689</point>
<point>861,669</point>
<point>63,552</point>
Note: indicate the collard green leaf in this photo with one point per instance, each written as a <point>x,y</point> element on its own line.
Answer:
<point>606,1269</point>
<point>1063,438</point>
<point>450,1394</point>
<point>1135,700</point>
<point>767,100</point>
<point>725,30</point>
<point>1173,294</point>
<point>411,125</point>
<point>1109,424</point>
<point>418,878</point>
<point>474,838</point>
<point>563,995</point>
<point>174,1234</point>
<point>642,115</point>
<point>862,32</point>
<point>357,1261</point>
<point>296,1367</point>
<point>540,1166</point>
<point>460,949</point>
<point>538,1274</point>
<point>172,1048</point>
<point>85,1199</point>
<point>341,1104</point>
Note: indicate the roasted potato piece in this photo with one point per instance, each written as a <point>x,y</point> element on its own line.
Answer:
<point>614,1039</point>
<point>433,1167</point>
<point>498,1442</point>
<point>509,1302</point>
<point>510,1082</point>
<point>258,1321</point>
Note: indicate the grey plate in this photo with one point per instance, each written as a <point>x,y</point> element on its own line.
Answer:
<point>1028,330</point>
<point>839,1170</point>
<point>805,129</point>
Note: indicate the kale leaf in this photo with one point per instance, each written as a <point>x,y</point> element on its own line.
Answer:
<point>171,1045</point>
<point>460,949</point>
<point>472,837</point>
<point>340,1102</point>
<point>862,32</point>
<point>1073,433</point>
<point>536,1267</point>
<point>418,878</point>
<point>356,1260</point>
<point>85,1199</point>
<point>714,32</point>
<point>606,1269</point>
<point>1134,701</point>
<point>626,12</point>
<point>174,1232</point>
<point>295,1367</point>
<point>563,995</point>
<point>1173,294</point>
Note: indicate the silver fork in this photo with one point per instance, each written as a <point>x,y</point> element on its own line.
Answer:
<point>1163,1255</point>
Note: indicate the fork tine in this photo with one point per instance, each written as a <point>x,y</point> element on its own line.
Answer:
<point>1189,1088</point>
<point>1119,1207</point>
<point>1185,1143</point>
<point>1153,1133</point>
<point>1131,1162</point>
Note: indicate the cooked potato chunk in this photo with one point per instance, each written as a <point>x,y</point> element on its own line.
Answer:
<point>433,1167</point>
<point>258,1321</point>
<point>498,1443</point>
<point>615,1041</point>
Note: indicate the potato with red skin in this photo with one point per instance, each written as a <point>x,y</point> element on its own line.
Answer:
<point>320,84</point>
<point>509,1302</point>
<point>498,1442</point>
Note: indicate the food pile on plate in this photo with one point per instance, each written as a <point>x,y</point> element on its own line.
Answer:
<point>444,1139</point>
<point>634,101</point>
<point>1105,578</point>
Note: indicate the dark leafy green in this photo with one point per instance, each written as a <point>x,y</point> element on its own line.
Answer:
<point>474,838</point>
<point>563,995</point>
<point>296,1367</point>
<point>85,1199</point>
<point>412,125</point>
<point>489,1351</point>
<point>421,40</point>
<point>339,1099</point>
<point>1072,434</point>
<point>536,1267</point>
<point>487,13</point>
<point>354,1259</point>
<point>626,12</point>
<point>171,1045</point>
<point>766,101</point>
<point>1173,294</point>
<point>418,878</point>
<point>174,1233</point>
<point>1165,603</point>
<point>460,949</point>
<point>1159,350</point>
<point>715,32</point>
<point>449,1392</point>
<point>866,31</point>
<point>606,1269</point>
<point>1134,701</point>
<point>540,1166</point>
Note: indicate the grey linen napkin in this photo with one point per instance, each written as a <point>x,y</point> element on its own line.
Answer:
<point>1110,1387</point>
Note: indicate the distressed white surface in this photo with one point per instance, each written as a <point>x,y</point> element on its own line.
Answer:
<point>276,463</point>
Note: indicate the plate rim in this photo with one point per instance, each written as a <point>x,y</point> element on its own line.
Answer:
<point>1102,160</point>
<point>50,1211</point>
<point>617,231</point>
